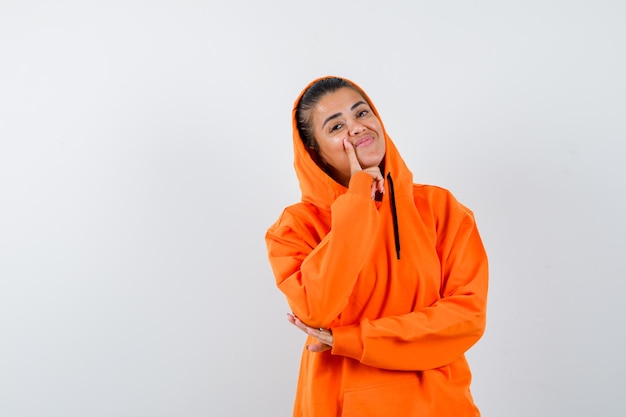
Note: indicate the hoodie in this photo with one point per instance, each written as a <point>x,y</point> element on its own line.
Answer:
<point>401,282</point>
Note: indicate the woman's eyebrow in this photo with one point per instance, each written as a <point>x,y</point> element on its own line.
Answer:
<point>354,106</point>
<point>330,118</point>
<point>357,104</point>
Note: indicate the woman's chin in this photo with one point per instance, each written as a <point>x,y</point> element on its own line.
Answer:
<point>371,161</point>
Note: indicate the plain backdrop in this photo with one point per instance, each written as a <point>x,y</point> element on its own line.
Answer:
<point>145,148</point>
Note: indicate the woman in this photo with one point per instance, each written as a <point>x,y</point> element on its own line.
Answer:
<point>387,278</point>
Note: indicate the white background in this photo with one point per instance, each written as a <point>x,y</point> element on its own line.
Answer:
<point>145,147</point>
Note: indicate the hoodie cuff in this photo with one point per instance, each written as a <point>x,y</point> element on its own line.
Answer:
<point>360,183</point>
<point>347,342</point>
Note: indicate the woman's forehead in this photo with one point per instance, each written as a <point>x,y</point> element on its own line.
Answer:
<point>340,101</point>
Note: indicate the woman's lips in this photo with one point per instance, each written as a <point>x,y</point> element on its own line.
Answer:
<point>364,141</point>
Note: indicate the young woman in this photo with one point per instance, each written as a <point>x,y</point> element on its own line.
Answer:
<point>387,278</point>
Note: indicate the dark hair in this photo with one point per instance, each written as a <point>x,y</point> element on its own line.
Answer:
<point>309,100</point>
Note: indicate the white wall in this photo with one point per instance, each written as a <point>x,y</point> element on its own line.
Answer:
<point>145,147</point>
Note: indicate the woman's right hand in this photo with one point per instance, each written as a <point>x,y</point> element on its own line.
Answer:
<point>324,336</point>
<point>378,183</point>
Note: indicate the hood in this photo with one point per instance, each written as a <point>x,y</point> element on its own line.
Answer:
<point>319,188</point>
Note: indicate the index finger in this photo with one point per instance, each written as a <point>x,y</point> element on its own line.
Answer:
<point>355,166</point>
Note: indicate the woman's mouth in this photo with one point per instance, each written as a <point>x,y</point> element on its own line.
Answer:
<point>367,140</point>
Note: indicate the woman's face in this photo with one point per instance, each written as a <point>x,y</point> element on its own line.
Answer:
<point>345,114</point>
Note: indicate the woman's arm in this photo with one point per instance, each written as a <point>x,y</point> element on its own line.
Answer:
<point>436,335</point>
<point>318,279</point>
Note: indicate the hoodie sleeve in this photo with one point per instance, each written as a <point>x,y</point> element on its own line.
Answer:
<point>318,278</point>
<point>437,335</point>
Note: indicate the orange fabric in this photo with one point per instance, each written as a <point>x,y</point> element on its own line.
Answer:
<point>400,327</point>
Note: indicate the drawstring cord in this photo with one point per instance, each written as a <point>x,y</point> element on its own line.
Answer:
<point>394,213</point>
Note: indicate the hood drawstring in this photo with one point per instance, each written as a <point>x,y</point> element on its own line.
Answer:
<point>394,213</point>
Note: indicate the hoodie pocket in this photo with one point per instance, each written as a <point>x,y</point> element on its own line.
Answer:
<point>394,399</point>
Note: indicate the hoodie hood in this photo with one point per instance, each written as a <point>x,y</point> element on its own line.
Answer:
<point>318,187</point>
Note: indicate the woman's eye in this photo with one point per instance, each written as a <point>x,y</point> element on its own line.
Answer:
<point>335,127</point>
<point>362,113</point>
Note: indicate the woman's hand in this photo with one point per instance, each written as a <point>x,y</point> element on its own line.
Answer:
<point>324,336</point>
<point>379,181</point>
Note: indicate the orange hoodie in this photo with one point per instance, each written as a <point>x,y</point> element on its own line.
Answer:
<point>401,320</point>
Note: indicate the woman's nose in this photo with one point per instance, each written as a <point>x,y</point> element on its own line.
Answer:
<point>356,128</point>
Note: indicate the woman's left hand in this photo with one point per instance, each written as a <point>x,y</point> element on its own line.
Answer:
<point>324,336</point>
